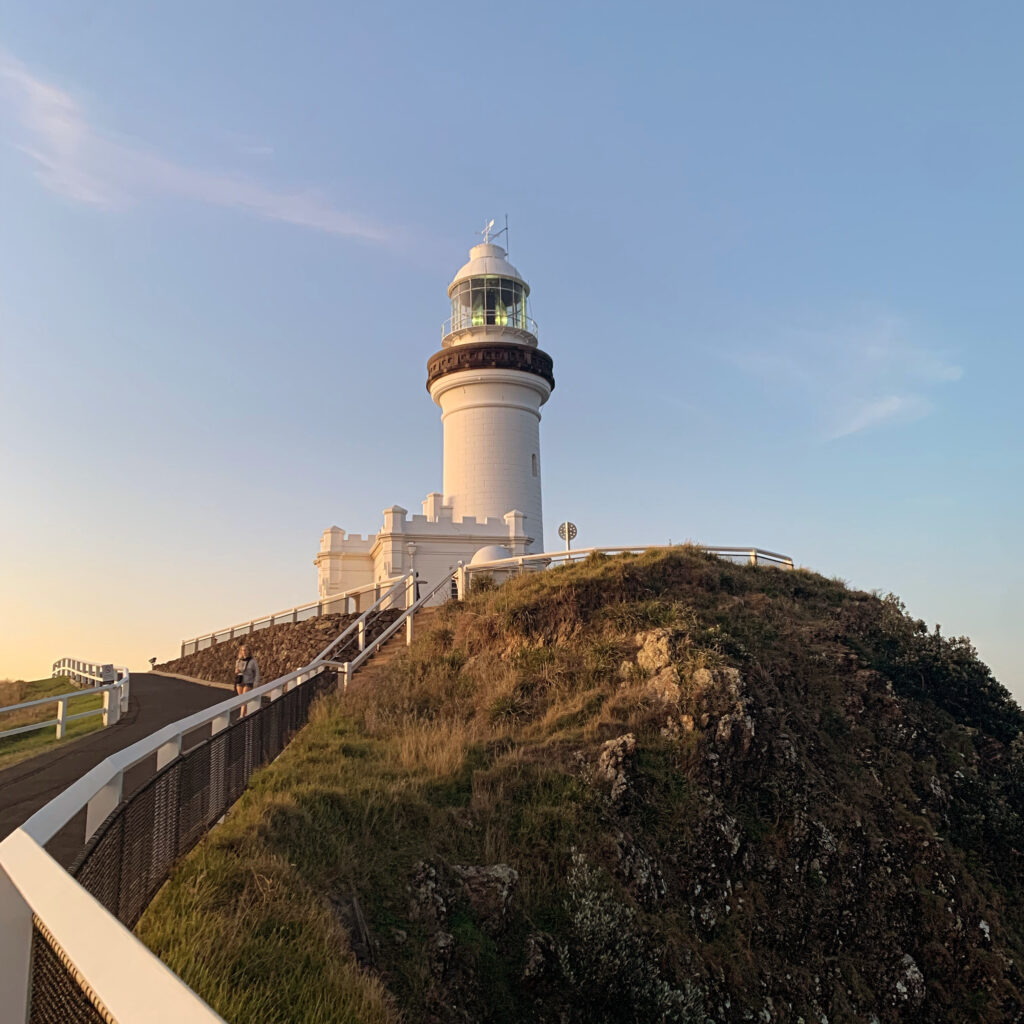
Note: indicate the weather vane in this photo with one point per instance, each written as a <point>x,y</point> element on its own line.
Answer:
<point>487,231</point>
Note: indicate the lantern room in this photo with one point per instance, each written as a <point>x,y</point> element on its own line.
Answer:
<point>488,297</point>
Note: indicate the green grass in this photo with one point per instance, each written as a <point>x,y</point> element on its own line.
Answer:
<point>473,750</point>
<point>18,748</point>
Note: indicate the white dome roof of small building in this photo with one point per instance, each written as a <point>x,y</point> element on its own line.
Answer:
<point>491,553</point>
<point>488,260</point>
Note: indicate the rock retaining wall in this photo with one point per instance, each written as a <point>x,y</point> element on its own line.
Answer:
<point>277,649</point>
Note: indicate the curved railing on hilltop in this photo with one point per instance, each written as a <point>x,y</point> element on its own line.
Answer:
<point>66,954</point>
<point>112,684</point>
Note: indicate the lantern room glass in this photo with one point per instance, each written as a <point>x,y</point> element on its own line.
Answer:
<point>489,301</point>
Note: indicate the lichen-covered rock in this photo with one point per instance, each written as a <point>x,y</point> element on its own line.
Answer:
<point>910,986</point>
<point>489,891</point>
<point>426,895</point>
<point>639,871</point>
<point>541,956</point>
<point>442,944</point>
<point>613,761</point>
<point>654,652</point>
<point>664,687</point>
<point>734,730</point>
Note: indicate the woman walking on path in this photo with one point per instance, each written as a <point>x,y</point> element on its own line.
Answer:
<point>247,672</point>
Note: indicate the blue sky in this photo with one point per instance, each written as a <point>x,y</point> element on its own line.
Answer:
<point>774,251</point>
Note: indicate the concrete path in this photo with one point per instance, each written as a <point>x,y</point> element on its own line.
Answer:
<point>154,701</point>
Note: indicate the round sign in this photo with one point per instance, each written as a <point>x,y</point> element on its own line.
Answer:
<point>567,528</point>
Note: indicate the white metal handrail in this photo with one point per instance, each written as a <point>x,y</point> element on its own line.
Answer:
<point>360,625</point>
<point>129,980</point>
<point>297,613</point>
<point>80,671</point>
<point>467,321</point>
<point>33,884</point>
<point>534,562</point>
<point>404,619</point>
<point>29,877</point>
<point>115,704</point>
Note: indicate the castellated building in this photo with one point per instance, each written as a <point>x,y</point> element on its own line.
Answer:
<point>490,380</point>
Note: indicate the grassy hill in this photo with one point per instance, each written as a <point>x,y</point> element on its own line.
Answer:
<point>655,788</point>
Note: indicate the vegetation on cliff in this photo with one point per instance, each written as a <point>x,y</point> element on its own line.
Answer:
<point>654,788</point>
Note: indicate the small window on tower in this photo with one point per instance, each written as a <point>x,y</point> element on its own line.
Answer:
<point>534,460</point>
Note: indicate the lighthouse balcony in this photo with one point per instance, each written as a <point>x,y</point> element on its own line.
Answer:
<point>454,330</point>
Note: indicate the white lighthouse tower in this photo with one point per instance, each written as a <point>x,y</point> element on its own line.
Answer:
<point>490,380</point>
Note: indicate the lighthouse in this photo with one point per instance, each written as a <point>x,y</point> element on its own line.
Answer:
<point>490,380</point>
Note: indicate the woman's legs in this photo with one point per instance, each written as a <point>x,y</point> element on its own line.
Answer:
<point>240,690</point>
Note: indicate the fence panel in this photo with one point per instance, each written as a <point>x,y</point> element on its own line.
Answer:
<point>58,993</point>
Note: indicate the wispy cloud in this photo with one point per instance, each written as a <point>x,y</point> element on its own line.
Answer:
<point>898,408</point>
<point>856,378</point>
<point>79,161</point>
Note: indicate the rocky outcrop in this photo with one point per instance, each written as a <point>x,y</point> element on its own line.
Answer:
<point>612,764</point>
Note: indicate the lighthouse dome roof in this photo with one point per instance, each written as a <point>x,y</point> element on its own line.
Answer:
<point>491,553</point>
<point>488,260</point>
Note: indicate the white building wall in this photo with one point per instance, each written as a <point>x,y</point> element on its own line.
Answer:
<point>433,544</point>
<point>492,464</point>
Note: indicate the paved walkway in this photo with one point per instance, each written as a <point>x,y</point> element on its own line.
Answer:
<point>154,701</point>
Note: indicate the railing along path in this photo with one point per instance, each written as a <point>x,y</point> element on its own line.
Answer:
<point>344,604</point>
<point>66,952</point>
<point>114,688</point>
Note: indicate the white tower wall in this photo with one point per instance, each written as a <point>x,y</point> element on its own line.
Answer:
<point>491,424</point>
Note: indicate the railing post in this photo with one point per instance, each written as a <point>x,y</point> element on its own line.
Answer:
<point>361,634</point>
<point>753,556</point>
<point>62,714</point>
<point>460,581</point>
<point>346,675</point>
<point>168,751</point>
<point>100,806</point>
<point>410,590</point>
<point>111,707</point>
<point>408,628</point>
<point>15,950</point>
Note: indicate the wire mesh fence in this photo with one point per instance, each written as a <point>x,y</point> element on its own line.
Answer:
<point>59,993</point>
<point>133,851</point>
